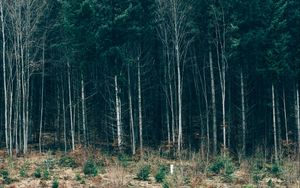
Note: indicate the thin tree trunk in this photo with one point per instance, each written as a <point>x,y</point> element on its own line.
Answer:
<point>213,98</point>
<point>131,113</point>
<point>64,114</point>
<point>274,123</point>
<point>4,77</point>
<point>297,110</point>
<point>140,106</point>
<point>42,98</point>
<point>83,111</point>
<point>71,106</point>
<point>118,114</point>
<point>244,123</point>
<point>285,117</point>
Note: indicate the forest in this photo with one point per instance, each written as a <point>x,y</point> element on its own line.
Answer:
<point>213,83</point>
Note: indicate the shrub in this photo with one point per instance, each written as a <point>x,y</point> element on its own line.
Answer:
<point>123,159</point>
<point>67,161</point>
<point>46,174</point>
<point>144,172</point>
<point>79,179</point>
<point>55,183</point>
<point>161,174</point>
<point>24,169</point>
<point>37,172</point>
<point>5,175</point>
<point>276,170</point>
<point>224,166</point>
<point>90,168</point>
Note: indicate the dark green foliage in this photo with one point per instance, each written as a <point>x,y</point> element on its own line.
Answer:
<point>66,161</point>
<point>90,168</point>
<point>123,159</point>
<point>79,179</point>
<point>224,166</point>
<point>4,173</point>
<point>37,172</point>
<point>55,183</point>
<point>23,170</point>
<point>144,172</point>
<point>161,174</point>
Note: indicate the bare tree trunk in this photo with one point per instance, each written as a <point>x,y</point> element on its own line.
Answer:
<point>42,98</point>
<point>71,106</point>
<point>213,98</point>
<point>64,114</point>
<point>285,117</point>
<point>83,111</point>
<point>131,121</point>
<point>140,106</point>
<point>118,114</point>
<point>274,123</point>
<point>297,111</point>
<point>4,77</point>
<point>244,123</point>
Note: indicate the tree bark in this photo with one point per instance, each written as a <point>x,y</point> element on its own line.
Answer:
<point>274,123</point>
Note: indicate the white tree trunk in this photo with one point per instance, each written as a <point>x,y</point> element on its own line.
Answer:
<point>4,77</point>
<point>42,98</point>
<point>213,99</point>
<point>83,111</point>
<point>131,121</point>
<point>244,123</point>
<point>71,106</point>
<point>297,109</point>
<point>140,106</point>
<point>64,114</point>
<point>274,122</point>
<point>285,117</point>
<point>118,114</point>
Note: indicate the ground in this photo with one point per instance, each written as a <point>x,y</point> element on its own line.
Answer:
<point>56,169</point>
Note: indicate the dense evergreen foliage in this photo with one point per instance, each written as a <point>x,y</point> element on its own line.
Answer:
<point>171,75</point>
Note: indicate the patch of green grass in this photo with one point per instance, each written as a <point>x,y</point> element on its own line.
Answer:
<point>79,179</point>
<point>224,166</point>
<point>144,173</point>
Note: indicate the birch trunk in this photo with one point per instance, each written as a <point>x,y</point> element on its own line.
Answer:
<point>118,114</point>
<point>42,98</point>
<point>83,111</point>
<point>64,114</point>
<point>4,77</point>
<point>213,99</point>
<point>274,123</point>
<point>140,106</point>
<point>244,123</point>
<point>71,106</point>
<point>285,117</point>
<point>297,110</point>
<point>131,121</point>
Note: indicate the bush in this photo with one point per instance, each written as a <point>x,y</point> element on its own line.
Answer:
<point>144,172</point>
<point>161,174</point>
<point>79,179</point>
<point>46,174</point>
<point>37,173</point>
<point>24,169</point>
<point>67,161</point>
<point>123,159</point>
<point>5,175</point>
<point>55,183</point>
<point>276,170</point>
<point>224,166</point>
<point>90,168</point>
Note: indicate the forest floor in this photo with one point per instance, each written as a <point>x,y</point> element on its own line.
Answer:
<point>75,169</point>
